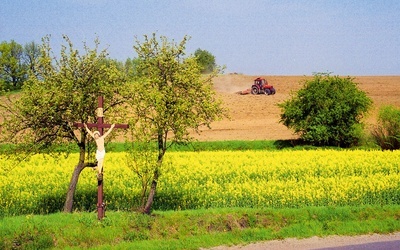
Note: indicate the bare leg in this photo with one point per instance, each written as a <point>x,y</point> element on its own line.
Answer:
<point>100,169</point>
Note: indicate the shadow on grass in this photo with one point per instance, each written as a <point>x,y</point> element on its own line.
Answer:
<point>283,144</point>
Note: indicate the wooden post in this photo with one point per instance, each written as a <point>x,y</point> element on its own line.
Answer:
<point>100,125</point>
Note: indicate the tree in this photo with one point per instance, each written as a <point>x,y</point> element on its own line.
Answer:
<point>170,98</point>
<point>326,111</point>
<point>387,132</point>
<point>206,60</point>
<point>130,67</point>
<point>42,115</point>
<point>31,55</point>
<point>13,71</point>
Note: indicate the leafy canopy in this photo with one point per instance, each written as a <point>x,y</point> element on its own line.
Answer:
<point>170,98</point>
<point>206,60</point>
<point>13,70</point>
<point>60,92</point>
<point>326,111</point>
<point>170,94</point>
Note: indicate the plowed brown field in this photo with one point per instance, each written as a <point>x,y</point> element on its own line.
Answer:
<point>256,117</point>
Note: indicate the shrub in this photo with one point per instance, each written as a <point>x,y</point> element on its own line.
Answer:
<point>327,111</point>
<point>206,60</point>
<point>387,133</point>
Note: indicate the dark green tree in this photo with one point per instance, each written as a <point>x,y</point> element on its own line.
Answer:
<point>327,111</point>
<point>41,117</point>
<point>170,98</point>
<point>13,70</point>
<point>206,60</point>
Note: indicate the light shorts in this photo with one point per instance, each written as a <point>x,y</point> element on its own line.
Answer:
<point>100,154</point>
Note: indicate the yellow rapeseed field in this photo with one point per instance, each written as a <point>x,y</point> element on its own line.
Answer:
<point>192,180</point>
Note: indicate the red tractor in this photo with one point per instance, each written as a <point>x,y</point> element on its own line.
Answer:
<point>261,86</point>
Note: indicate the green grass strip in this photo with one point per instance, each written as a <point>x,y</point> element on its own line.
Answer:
<point>192,229</point>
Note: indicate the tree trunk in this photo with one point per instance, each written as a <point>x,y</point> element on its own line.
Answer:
<point>152,193</point>
<point>69,201</point>
<point>153,188</point>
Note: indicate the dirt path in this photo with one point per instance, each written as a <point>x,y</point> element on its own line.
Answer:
<point>257,117</point>
<point>365,242</point>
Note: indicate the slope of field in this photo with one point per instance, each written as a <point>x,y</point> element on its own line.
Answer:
<point>257,117</point>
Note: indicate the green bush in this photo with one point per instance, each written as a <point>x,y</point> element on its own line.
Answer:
<point>327,111</point>
<point>206,60</point>
<point>387,133</point>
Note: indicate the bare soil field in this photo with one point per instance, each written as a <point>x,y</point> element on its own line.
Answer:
<point>256,117</point>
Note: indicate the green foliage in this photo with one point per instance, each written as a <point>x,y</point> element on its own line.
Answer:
<point>192,229</point>
<point>141,159</point>
<point>16,61</point>
<point>327,111</point>
<point>31,56</point>
<point>206,60</point>
<point>130,67</point>
<point>387,133</point>
<point>13,70</point>
<point>169,97</point>
<point>59,93</point>
<point>169,93</point>
<point>197,146</point>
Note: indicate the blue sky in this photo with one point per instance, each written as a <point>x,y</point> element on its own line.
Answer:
<point>254,37</point>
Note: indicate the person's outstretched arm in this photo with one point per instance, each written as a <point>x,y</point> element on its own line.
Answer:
<point>88,130</point>
<point>109,131</point>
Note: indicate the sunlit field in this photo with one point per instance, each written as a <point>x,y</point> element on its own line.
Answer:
<point>193,180</point>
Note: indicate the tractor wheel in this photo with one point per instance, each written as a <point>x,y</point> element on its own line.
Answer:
<point>254,90</point>
<point>273,91</point>
<point>267,91</point>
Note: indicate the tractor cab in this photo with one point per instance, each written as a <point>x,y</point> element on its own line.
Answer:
<point>260,82</point>
<point>261,86</point>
